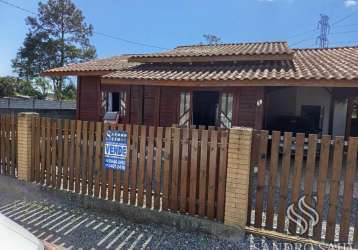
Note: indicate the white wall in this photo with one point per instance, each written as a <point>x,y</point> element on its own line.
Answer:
<point>340,118</point>
<point>315,96</point>
<point>288,101</point>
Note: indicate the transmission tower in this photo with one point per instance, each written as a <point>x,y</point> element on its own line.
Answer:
<point>324,27</point>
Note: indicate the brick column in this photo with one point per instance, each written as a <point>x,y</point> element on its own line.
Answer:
<point>238,174</point>
<point>24,138</point>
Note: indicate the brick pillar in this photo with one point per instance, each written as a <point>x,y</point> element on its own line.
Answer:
<point>238,174</point>
<point>24,138</point>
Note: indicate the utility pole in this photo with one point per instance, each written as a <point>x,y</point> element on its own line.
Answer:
<point>324,27</point>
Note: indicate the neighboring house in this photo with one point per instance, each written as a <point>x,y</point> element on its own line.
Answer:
<point>261,85</point>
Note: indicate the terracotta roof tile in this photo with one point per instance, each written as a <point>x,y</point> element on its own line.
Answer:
<point>107,64</point>
<point>307,64</point>
<point>233,49</point>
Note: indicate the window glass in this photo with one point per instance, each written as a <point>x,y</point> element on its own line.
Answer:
<point>225,113</point>
<point>184,118</point>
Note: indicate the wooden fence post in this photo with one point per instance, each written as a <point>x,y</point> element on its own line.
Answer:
<point>238,175</point>
<point>24,145</point>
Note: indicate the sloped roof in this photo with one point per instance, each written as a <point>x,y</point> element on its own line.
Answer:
<point>220,52</point>
<point>307,64</point>
<point>331,64</point>
<point>99,66</point>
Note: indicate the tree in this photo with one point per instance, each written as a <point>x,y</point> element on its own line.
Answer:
<point>212,39</point>
<point>58,36</point>
<point>13,86</point>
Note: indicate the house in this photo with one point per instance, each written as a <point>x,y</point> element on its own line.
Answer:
<point>261,85</point>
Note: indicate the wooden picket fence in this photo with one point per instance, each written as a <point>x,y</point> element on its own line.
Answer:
<point>289,167</point>
<point>8,144</point>
<point>168,169</point>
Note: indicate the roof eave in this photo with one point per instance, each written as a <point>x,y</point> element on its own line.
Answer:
<point>236,83</point>
<point>76,73</point>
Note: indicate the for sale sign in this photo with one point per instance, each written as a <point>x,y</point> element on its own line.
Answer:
<point>115,149</point>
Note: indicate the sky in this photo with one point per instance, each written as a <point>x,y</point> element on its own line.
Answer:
<point>166,24</point>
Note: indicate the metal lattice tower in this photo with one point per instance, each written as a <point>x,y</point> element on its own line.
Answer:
<point>324,27</point>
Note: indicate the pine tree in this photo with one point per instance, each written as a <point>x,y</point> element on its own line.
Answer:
<point>58,36</point>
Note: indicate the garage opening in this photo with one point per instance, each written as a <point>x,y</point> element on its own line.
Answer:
<point>205,107</point>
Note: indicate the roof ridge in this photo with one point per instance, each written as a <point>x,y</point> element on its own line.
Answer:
<point>220,44</point>
<point>330,48</point>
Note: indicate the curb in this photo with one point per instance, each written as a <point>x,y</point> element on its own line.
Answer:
<point>179,221</point>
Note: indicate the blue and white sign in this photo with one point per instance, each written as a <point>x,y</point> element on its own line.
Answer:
<point>115,149</point>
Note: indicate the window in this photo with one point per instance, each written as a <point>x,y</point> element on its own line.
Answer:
<point>185,110</point>
<point>115,102</point>
<point>225,111</point>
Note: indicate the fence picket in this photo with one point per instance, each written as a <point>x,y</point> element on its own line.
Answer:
<point>285,172</point>
<point>97,171</point>
<point>175,169</point>
<point>333,195</point>
<point>275,145</point>
<point>212,173</point>
<point>7,149</point>
<point>133,166</point>
<point>296,183</point>
<point>78,156</point>
<point>321,183</point>
<point>103,170</point>
<point>48,151</point>
<point>348,189</point>
<point>261,177</point>
<point>84,159</point>
<point>184,171</point>
<point>111,173</point>
<point>127,170</point>
<point>117,174</point>
<point>158,166</point>
<point>13,146</point>
<point>310,168</point>
<point>2,153</point>
<point>71,164</point>
<point>54,153</point>
<point>90,160</point>
<point>222,176</point>
<point>43,150</point>
<point>193,171</point>
<point>166,168</point>
<point>203,172</point>
<point>59,153</point>
<point>66,125</point>
<point>149,168</point>
<point>141,166</point>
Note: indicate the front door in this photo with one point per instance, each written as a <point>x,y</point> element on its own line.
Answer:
<point>205,107</point>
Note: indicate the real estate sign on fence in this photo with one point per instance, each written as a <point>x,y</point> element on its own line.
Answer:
<point>115,149</point>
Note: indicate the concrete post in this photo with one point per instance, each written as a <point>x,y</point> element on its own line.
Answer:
<point>238,175</point>
<point>24,145</point>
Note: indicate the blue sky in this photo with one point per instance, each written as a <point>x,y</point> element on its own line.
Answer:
<point>170,23</point>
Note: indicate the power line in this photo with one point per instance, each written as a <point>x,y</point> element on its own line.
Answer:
<point>334,24</point>
<point>344,32</point>
<point>128,41</point>
<point>304,40</point>
<point>94,32</point>
<point>345,18</point>
<point>17,7</point>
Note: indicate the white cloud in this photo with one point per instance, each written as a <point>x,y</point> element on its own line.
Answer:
<point>350,3</point>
